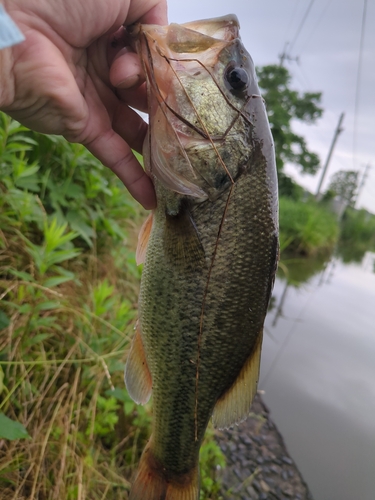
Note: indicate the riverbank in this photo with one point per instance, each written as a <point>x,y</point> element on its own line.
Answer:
<point>259,466</point>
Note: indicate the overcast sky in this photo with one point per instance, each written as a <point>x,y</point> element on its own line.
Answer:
<point>328,48</point>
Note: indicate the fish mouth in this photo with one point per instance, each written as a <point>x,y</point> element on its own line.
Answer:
<point>185,65</point>
<point>191,37</point>
<point>198,36</point>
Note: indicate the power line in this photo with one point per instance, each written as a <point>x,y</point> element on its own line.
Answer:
<point>301,25</point>
<point>358,82</point>
<point>286,55</point>
<point>290,22</point>
<point>322,15</point>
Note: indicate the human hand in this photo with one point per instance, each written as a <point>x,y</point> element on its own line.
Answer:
<point>59,81</point>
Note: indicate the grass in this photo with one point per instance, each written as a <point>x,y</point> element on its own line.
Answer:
<point>68,304</point>
<point>357,234</point>
<point>307,228</point>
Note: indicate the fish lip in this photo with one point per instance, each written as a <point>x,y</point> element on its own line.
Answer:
<point>224,28</point>
<point>219,29</point>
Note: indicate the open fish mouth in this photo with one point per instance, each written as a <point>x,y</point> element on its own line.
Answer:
<point>202,95</point>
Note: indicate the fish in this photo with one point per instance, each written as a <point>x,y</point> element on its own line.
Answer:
<point>209,250</point>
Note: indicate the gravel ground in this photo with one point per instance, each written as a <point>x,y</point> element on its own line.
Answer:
<point>259,466</point>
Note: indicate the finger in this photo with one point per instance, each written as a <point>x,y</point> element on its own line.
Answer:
<point>148,12</point>
<point>116,42</point>
<point>126,70</point>
<point>156,15</point>
<point>136,98</point>
<point>115,154</point>
<point>130,126</point>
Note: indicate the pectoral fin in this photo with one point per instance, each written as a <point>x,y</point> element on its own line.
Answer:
<point>234,405</point>
<point>137,374</point>
<point>182,244</point>
<point>143,237</point>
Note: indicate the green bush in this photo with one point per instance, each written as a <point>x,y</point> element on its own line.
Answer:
<point>306,228</point>
<point>358,226</point>
<point>357,234</point>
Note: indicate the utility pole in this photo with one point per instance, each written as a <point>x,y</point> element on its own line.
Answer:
<point>287,57</point>
<point>362,183</point>
<point>283,55</point>
<point>335,136</point>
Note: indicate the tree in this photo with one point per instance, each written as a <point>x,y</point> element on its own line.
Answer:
<point>283,105</point>
<point>344,184</point>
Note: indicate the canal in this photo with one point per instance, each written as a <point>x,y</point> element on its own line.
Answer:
<point>318,372</point>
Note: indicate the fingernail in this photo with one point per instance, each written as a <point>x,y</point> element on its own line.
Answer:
<point>129,82</point>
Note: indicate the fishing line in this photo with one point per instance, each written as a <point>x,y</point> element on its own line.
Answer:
<point>203,309</point>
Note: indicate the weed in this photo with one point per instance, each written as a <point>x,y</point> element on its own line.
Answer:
<point>306,228</point>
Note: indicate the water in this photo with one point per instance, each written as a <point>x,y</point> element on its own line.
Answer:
<point>318,374</point>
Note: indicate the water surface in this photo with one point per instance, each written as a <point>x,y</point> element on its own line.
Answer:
<point>318,373</point>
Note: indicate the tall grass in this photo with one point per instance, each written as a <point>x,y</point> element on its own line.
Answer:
<point>307,228</point>
<point>68,304</point>
<point>357,234</point>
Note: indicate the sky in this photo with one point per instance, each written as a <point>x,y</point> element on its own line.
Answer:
<point>327,44</point>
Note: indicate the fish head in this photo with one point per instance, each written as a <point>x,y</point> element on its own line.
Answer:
<point>205,108</point>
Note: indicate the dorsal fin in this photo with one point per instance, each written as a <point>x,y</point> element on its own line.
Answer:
<point>143,237</point>
<point>138,379</point>
<point>234,405</point>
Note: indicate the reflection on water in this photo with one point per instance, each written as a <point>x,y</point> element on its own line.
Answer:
<point>318,373</point>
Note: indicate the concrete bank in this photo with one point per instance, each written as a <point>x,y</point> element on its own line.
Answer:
<point>259,466</point>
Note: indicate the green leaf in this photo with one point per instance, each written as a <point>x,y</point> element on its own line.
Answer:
<point>78,224</point>
<point>129,407</point>
<point>119,394</point>
<point>37,338</point>
<point>56,280</point>
<point>46,306</point>
<point>28,183</point>
<point>9,429</point>
<point>28,171</point>
<point>24,308</point>
<point>21,274</point>
<point>4,320</point>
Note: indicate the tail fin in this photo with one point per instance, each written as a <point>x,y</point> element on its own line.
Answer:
<point>153,482</point>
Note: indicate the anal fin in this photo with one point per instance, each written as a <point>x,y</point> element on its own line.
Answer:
<point>138,379</point>
<point>234,405</point>
<point>143,237</point>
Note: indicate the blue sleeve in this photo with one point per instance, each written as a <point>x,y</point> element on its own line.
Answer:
<point>9,33</point>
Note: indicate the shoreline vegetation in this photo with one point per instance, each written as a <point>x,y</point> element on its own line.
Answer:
<point>68,290</point>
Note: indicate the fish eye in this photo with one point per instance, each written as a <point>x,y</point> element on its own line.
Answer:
<point>237,78</point>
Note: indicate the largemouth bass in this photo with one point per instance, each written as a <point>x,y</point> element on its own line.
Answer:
<point>210,248</point>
